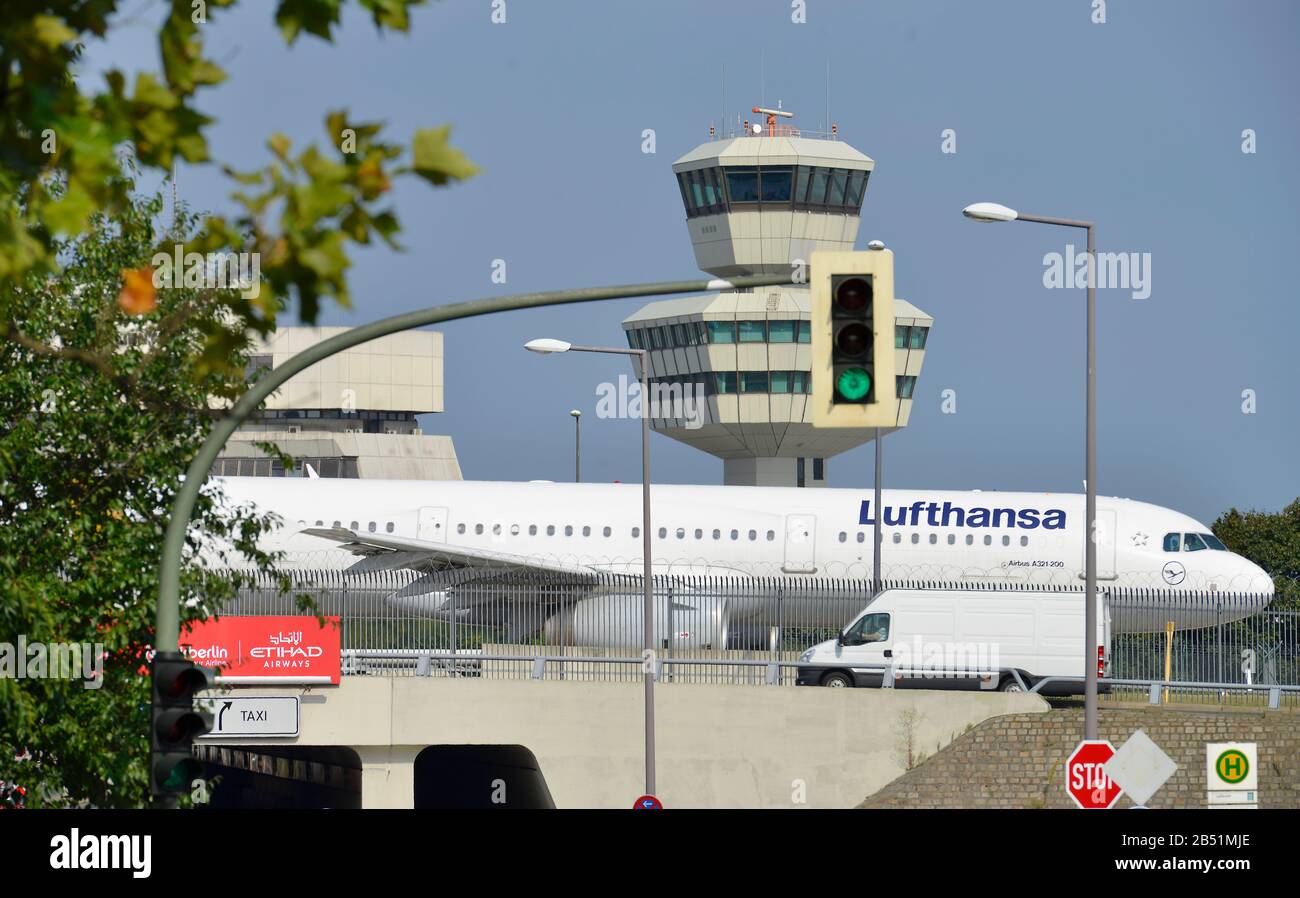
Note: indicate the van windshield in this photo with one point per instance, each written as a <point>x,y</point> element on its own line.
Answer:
<point>868,628</point>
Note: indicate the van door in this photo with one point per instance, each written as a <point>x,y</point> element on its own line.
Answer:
<point>867,642</point>
<point>800,544</point>
<point>433,525</point>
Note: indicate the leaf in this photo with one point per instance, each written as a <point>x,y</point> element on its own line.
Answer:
<point>51,31</point>
<point>138,296</point>
<point>437,161</point>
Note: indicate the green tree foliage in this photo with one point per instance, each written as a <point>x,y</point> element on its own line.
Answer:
<point>59,139</point>
<point>1272,541</point>
<point>102,413</point>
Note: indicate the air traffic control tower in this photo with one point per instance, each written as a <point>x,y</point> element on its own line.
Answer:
<point>760,202</point>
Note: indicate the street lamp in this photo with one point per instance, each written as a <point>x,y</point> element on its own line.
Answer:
<point>548,347</point>
<point>990,212</point>
<point>577,445</point>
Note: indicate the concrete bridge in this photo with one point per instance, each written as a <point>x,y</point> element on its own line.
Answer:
<point>402,742</point>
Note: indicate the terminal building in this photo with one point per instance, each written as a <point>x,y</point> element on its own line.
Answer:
<point>756,203</point>
<point>351,415</point>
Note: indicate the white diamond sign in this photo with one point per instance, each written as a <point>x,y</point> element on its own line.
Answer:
<point>1140,767</point>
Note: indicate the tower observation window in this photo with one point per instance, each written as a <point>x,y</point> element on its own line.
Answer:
<point>742,184</point>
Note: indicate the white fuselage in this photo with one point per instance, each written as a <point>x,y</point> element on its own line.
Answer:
<point>975,538</point>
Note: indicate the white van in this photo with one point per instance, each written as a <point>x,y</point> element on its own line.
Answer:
<point>961,639</point>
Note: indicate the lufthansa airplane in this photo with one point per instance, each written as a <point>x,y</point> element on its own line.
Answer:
<point>454,533</point>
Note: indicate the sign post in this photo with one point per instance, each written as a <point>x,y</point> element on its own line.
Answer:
<point>1086,781</point>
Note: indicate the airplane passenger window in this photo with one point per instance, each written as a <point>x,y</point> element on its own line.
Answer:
<point>514,529</point>
<point>354,525</point>
<point>532,529</point>
<point>916,538</point>
<point>663,532</point>
<point>1171,541</point>
<point>988,540</point>
<point>717,534</point>
<point>898,538</point>
<point>1024,540</point>
<point>843,536</point>
<point>606,531</point>
<point>862,536</point>
<point>568,530</point>
<point>735,534</point>
<point>753,535</point>
<point>478,528</point>
<point>320,523</point>
<point>934,538</point>
<point>550,529</point>
<point>496,529</point>
<point>338,523</point>
<point>460,528</point>
<point>1006,540</point>
<point>699,534</point>
<point>952,538</point>
<point>636,531</point>
<point>1192,543</point>
<point>586,531</point>
<point>389,527</point>
<point>681,533</point>
<point>970,539</point>
<point>371,527</point>
<point>771,535</point>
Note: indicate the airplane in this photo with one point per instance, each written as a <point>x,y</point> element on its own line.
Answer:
<point>468,544</point>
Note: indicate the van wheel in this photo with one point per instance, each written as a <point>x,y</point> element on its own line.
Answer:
<point>1009,684</point>
<point>837,680</point>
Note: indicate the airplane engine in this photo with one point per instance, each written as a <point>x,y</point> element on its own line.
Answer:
<point>617,621</point>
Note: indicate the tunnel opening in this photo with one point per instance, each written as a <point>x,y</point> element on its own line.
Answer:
<point>457,777</point>
<point>280,776</point>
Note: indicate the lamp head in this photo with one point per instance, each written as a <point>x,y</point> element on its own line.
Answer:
<point>547,346</point>
<point>989,212</point>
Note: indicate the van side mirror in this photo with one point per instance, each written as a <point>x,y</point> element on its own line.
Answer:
<point>839,638</point>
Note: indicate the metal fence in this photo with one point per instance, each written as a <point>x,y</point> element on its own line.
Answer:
<point>393,620</point>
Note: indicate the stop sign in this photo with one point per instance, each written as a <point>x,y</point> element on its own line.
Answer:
<point>1085,778</point>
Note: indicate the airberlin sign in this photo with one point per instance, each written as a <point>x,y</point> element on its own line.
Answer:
<point>281,649</point>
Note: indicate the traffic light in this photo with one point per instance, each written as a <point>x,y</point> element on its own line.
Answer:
<point>853,339</point>
<point>175,723</point>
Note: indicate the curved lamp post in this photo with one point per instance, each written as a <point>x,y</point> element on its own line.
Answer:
<point>167,623</point>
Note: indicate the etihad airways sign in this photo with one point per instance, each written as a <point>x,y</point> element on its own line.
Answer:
<point>945,514</point>
<point>273,649</point>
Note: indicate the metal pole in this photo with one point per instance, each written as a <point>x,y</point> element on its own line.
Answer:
<point>877,538</point>
<point>167,621</point>
<point>577,445</point>
<point>1090,560</point>
<point>646,576</point>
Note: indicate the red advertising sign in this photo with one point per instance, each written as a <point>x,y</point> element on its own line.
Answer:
<point>1085,776</point>
<point>249,650</point>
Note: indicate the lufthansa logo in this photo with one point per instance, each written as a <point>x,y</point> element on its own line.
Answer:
<point>1173,572</point>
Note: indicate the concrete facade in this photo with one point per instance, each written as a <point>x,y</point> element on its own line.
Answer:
<point>351,415</point>
<point>718,746</point>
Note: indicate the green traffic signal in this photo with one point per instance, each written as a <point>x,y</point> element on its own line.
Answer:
<point>853,384</point>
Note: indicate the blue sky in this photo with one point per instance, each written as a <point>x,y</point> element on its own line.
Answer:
<point>1135,123</point>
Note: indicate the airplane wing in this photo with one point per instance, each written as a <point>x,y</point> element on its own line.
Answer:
<point>385,552</point>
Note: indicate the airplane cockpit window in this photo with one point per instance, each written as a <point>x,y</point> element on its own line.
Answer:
<point>1171,541</point>
<point>1214,542</point>
<point>1192,543</point>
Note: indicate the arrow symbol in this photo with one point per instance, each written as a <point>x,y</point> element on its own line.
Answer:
<point>224,707</point>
